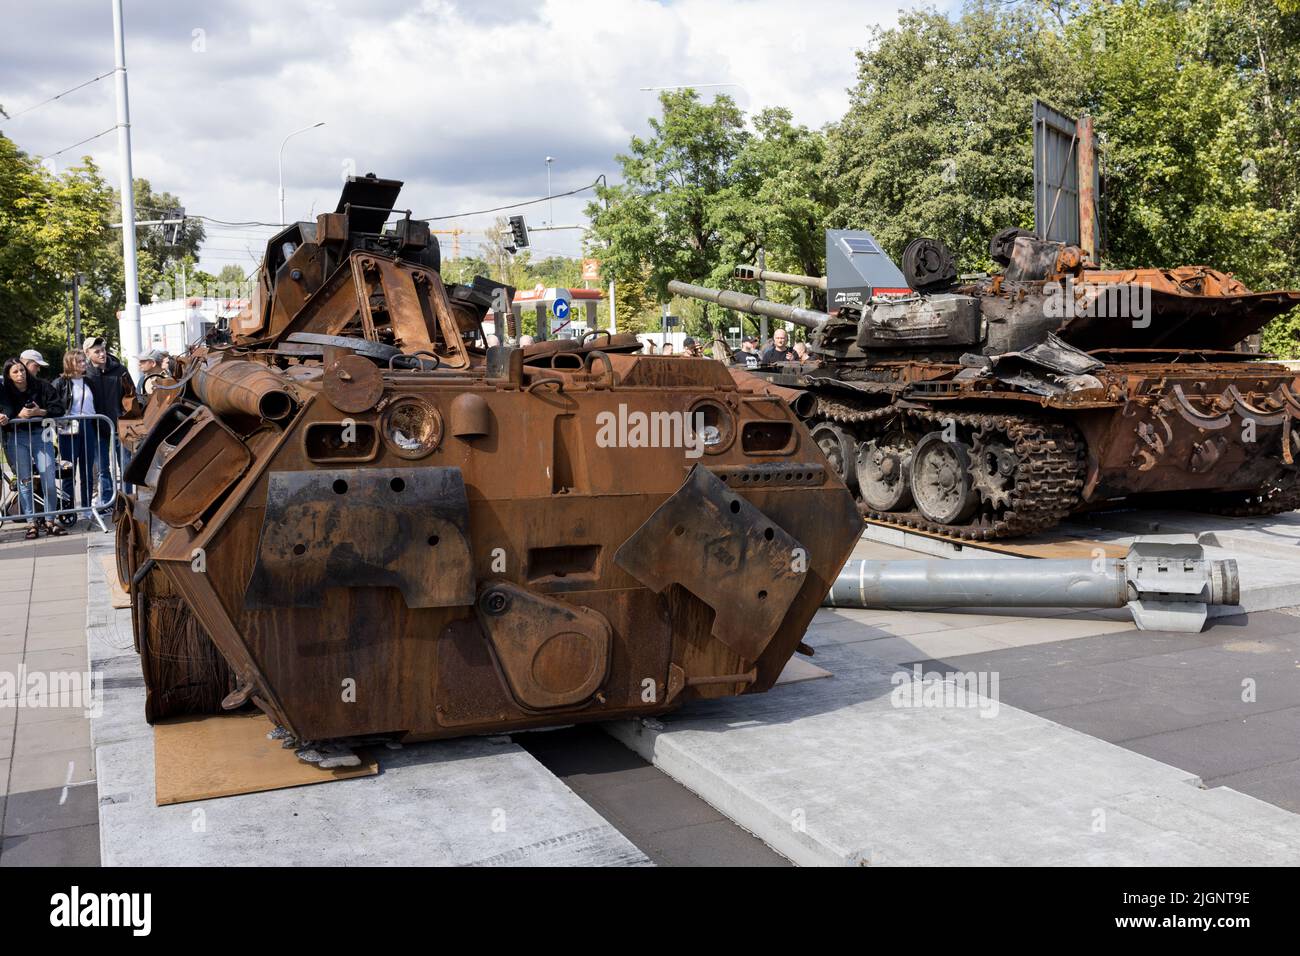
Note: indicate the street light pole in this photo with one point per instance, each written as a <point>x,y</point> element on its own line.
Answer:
<point>285,140</point>
<point>549,160</point>
<point>129,324</point>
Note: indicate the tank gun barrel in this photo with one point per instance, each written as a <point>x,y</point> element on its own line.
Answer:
<point>752,304</point>
<point>243,388</point>
<point>755,274</point>
<point>1167,583</point>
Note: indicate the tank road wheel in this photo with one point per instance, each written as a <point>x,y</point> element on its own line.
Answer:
<point>941,480</point>
<point>884,469</point>
<point>993,468</point>
<point>840,450</point>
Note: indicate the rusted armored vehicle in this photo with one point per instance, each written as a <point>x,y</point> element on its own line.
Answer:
<point>994,407</point>
<point>354,515</point>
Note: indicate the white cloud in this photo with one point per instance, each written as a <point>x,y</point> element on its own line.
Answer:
<point>461,99</point>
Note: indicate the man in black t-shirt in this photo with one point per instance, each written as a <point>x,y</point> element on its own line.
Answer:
<point>747,354</point>
<point>780,350</point>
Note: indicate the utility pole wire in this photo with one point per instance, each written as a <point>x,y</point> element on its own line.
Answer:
<point>86,140</point>
<point>58,95</point>
<point>516,205</point>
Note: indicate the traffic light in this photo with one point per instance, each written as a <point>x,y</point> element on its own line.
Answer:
<point>173,229</point>
<point>519,232</point>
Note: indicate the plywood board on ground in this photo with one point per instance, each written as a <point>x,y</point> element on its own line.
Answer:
<point>1046,545</point>
<point>117,597</point>
<point>800,669</point>
<point>199,758</point>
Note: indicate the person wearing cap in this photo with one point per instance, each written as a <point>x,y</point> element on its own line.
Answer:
<point>151,362</point>
<point>747,354</point>
<point>110,383</point>
<point>34,362</point>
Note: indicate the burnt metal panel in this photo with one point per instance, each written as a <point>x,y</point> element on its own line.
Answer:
<point>726,552</point>
<point>194,466</point>
<point>943,319</point>
<point>1056,175</point>
<point>406,528</point>
<point>374,196</point>
<point>552,654</point>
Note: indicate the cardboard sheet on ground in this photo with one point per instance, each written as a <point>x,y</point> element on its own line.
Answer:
<point>117,596</point>
<point>1052,544</point>
<point>798,669</point>
<point>198,758</point>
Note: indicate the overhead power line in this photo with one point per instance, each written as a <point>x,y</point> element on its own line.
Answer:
<point>516,205</point>
<point>275,225</point>
<point>58,95</point>
<point>86,140</point>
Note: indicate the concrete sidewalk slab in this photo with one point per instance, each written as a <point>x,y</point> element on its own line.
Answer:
<point>455,803</point>
<point>469,802</point>
<point>831,772</point>
<point>47,794</point>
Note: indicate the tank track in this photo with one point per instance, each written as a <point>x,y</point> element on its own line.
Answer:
<point>1049,478</point>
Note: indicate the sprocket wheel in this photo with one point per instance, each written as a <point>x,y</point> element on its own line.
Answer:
<point>993,467</point>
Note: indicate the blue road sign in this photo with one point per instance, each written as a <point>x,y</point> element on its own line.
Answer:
<point>561,308</point>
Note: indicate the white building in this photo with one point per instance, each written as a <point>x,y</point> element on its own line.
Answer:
<point>174,325</point>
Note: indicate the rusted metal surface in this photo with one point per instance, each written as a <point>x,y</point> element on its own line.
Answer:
<point>353,383</point>
<point>552,654</point>
<point>243,388</point>
<point>406,528</point>
<point>1054,386</point>
<point>472,540</point>
<point>194,464</point>
<point>710,540</point>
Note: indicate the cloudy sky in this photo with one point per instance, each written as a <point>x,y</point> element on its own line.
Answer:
<point>462,99</point>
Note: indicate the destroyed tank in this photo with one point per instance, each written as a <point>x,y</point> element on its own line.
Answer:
<point>996,406</point>
<point>353,514</point>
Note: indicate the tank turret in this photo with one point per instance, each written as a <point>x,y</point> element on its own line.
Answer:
<point>995,405</point>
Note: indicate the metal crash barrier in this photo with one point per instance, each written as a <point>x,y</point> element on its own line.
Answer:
<point>60,470</point>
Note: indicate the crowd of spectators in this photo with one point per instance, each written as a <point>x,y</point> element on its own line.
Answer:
<point>57,433</point>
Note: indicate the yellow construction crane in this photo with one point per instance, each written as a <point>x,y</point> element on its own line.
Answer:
<point>455,239</point>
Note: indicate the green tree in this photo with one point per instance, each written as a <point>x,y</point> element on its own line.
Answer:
<point>778,200</point>
<point>50,228</point>
<point>937,140</point>
<point>1197,103</point>
<point>1200,105</point>
<point>464,269</point>
<point>1184,147</point>
<point>232,282</point>
<point>661,223</point>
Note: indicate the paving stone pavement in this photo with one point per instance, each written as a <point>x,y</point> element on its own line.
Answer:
<point>48,806</point>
